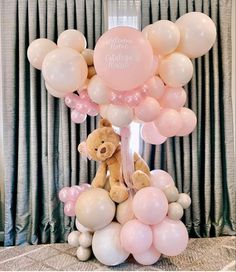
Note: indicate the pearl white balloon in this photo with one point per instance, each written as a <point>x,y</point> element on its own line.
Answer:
<point>38,50</point>
<point>98,91</point>
<point>73,39</point>
<point>107,247</point>
<point>73,238</point>
<point>124,211</point>
<point>80,227</point>
<point>83,254</point>
<point>197,34</point>
<point>163,36</point>
<point>65,70</point>
<point>120,116</point>
<point>184,200</point>
<point>85,239</point>
<point>176,70</point>
<point>175,211</point>
<point>171,193</point>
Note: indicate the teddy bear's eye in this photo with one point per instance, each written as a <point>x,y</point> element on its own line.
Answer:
<point>103,142</point>
<point>96,149</point>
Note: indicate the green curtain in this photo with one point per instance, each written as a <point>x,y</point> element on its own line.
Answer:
<point>203,163</point>
<point>40,142</point>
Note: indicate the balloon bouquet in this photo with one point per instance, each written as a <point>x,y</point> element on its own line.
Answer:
<point>130,76</point>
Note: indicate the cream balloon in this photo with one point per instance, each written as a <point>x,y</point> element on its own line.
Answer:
<point>175,211</point>
<point>98,91</point>
<point>100,211</point>
<point>197,34</point>
<point>65,70</point>
<point>73,238</point>
<point>83,254</point>
<point>107,247</point>
<point>88,56</point>
<point>85,239</point>
<point>146,30</point>
<point>80,227</point>
<point>103,110</point>
<point>163,36</point>
<point>124,211</point>
<point>73,39</point>
<point>37,51</point>
<point>176,70</point>
<point>54,92</point>
<point>91,72</point>
<point>184,200</point>
<point>120,116</point>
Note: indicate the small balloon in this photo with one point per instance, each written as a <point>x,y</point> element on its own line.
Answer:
<point>189,121</point>
<point>73,238</point>
<point>155,87</point>
<point>184,200</point>
<point>173,98</point>
<point>98,91</point>
<point>64,194</point>
<point>119,116</point>
<point>148,257</point>
<point>171,193</point>
<point>77,117</point>
<point>151,135</point>
<point>124,211</point>
<point>74,193</point>
<point>175,211</point>
<point>85,239</point>
<point>71,100</point>
<point>83,254</point>
<point>161,179</point>
<point>69,208</point>
<point>147,110</point>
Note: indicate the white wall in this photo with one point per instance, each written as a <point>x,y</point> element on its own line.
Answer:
<point>233,68</point>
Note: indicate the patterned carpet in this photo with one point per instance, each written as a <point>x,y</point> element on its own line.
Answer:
<point>208,254</point>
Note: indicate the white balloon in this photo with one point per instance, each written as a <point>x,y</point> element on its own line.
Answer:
<point>73,238</point>
<point>184,200</point>
<point>83,254</point>
<point>85,239</point>
<point>120,116</point>
<point>53,92</point>
<point>176,70</point>
<point>197,34</point>
<point>124,211</point>
<point>80,227</point>
<point>98,91</point>
<point>38,50</point>
<point>107,247</point>
<point>175,211</point>
<point>73,39</point>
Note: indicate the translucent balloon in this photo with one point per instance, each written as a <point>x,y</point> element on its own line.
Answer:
<point>65,70</point>
<point>173,98</point>
<point>69,208</point>
<point>150,205</point>
<point>170,237</point>
<point>155,87</point>
<point>161,179</point>
<point>64,194</point>
<point>168,122</point>
<point>88,56</point>
<point>151,135</point>
<point>147,110</point>
<point>135,237</point>
<point>98,91</point>
<point>119,116</point>
<point>148,257</point>
<point>197,32</point>
<point>164,37</point>
<point>73,39</point>
<point>37,51</point>
<point>77,117</point>
<point>176,70</point>
<point>189,121</point>
<point>123,58</point>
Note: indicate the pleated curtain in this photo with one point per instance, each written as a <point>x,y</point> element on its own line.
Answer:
<point>202,164</point>
<point>40,141</point>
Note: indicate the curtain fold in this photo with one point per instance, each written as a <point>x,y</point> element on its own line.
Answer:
<point>40,141</point>
<point>203,163</point>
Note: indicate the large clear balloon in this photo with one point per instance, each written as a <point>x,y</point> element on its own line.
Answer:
<point>176,70</point>
<point>197,34</point>
<point>98,91</point>
<point>65,70</point>
<point>123,58</point>
<point>189,121</point>
<point>151,135</point>
<point>38,50</point>
<point>119,116</point>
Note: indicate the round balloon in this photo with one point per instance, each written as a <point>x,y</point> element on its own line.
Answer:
<point>148,257</point>
<point>189,121</point>
<point>173,98</point>
<point>98,91</point>
<point>197,34</point>
<point>147,110</point>
<point>155,87</point>
<point>124,211</point>
<point>161,179</point>
<point>151,135</point>
<point>123,58</point>
<point>119,116</point>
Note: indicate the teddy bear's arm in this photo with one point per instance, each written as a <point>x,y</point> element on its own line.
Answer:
<point>100,178</point>
<point>140,164</point>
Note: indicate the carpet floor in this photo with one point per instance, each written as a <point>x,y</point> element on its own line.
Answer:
<point>207,254</point>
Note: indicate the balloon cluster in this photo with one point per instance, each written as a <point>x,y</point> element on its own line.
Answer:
<point>130,75</point>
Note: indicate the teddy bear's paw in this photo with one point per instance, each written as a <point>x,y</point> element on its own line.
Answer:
<point>118,194</point>
<point>140,180</point>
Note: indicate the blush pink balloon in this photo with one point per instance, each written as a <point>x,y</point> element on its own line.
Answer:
<point>189,121</point>
<point>74,193</point>
<point>123,58</point>
<point>155,64</point>
<point>82,106</point>
<point>71,99</point>
<point>173,98</point>
<point>134,99</point>
<point>84,94</point>
<point>148,257</point>
<point>150,205</point>
<point>161,179</point>
<point>116,98</point>
<point>155,87</point>
<point>151,135</point>
<point>85,186</point>
<point>93,110</point>
<point>168,122</point>
<point>147,110</point>
<point>64,194</point>
<point>69,208</point>
<point>170,237</point>
<point>77,117</point>
<point>135,237</point>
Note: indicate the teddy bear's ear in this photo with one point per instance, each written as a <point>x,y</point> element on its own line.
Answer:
<point>105,123</point>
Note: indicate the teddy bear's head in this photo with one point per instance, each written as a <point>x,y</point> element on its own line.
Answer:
<point>102,143</point>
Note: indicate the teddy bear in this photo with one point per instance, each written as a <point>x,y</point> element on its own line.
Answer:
<point>103,145</point>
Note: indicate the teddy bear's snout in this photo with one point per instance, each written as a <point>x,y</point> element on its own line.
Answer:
<point>105,151</point>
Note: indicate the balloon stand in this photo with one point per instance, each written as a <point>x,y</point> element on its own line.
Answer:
<point>130,76</point>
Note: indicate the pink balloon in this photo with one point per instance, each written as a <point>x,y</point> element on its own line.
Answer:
<point>150,205</point>
<point>170,237</point>
<point>148,257</point>
<point>134,99</point>
<point>173,98</point>
<point>135,237</point>
<point>84,94</point>
<point>77,117</point>
<point>151,135</point>
<point>161,179</point>
<point>69,208</point>
<point>71,100</point>
<point>189,121</point>
<point>82,106</point>
<point>168,122</point>
<point>155,64</point>
<point>147,110</point>
<point>123,58</point>
<point>73,193</point>
<point>93,110</point>
<point>116,98</point>
<point>155,87</point>
<point>85,186</point>
<point>64,194</point>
